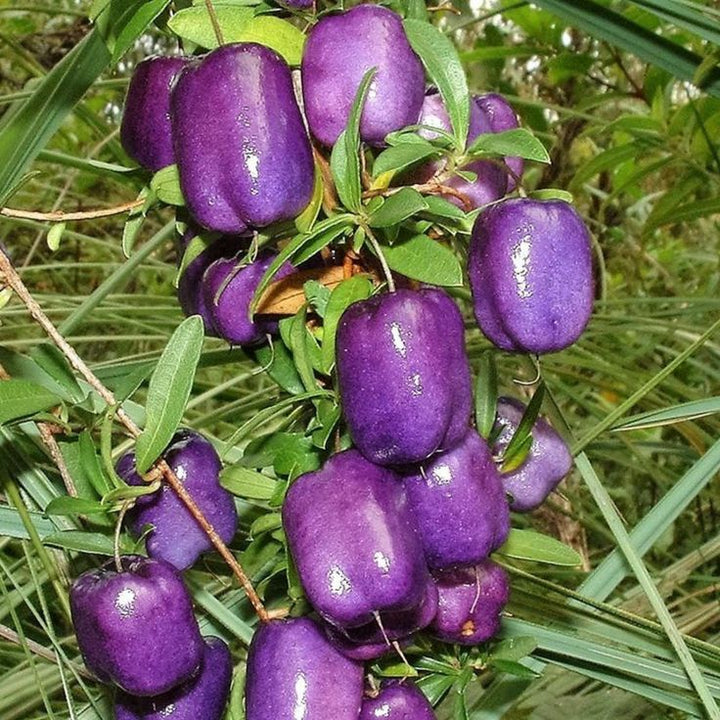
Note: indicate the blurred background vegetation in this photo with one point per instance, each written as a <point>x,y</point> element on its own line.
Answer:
<point>633,128</point>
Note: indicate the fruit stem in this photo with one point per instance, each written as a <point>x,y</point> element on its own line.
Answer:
<point>118,527</point>
<point>215,22</point>
<point>383,262</point>
<point>15,282</point>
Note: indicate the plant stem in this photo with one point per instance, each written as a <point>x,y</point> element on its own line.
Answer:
<point>15,282</point>
<point>383,262</point>
<point>60,216</point>
<point>215,22</point>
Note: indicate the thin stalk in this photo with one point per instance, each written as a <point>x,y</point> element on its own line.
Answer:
<point>215,22</point>
<point>60,216</point>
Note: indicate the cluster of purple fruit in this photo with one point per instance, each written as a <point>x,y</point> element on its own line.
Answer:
<point>394,535</point>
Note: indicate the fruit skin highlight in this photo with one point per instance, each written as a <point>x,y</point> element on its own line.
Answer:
<point>203,696</point>
<point>136,628</point>
<point>145,131</point>
<point>470,603</point>
<point>548,461</point>
<point>403,375</point>
<point>397,700</point>
<point>354,541</point>
<point>530,268</point>
<point>293,671</point>
<point>177,537</point>
<point>340,49</point>
<point>459,503</point>
<point>241,147</point>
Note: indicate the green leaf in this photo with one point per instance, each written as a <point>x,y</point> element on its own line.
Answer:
<point>277,34</point>
<point>298,337</point>
<point>306,219</point>
<point>12,526</point>
<point>520,453</point>
<point>79,541</point>
<point>54,363</point>
<point>486,394</point>
<point>398,207</point>
<point>317,295</point>
<point>130,492</point>
<point>169,390</point>
<point>513,649</point>
<point>345,160</point>
<point>518,142</point>
<point>345,294</point>
<point>439,207</point>
<point>21,398</point>
<point>424,259</point>
<point>278,364</point>
<point>66,505</point>
<point>266,523</point>
<point>443,65</point>
<point>531,545</point>
<point>165,184</point>
<point>552,194</point>
<point>399,157</point>
<point>518,442</point>
<point>668,416</point>
<point>135,17</point>
<point>247,483</point>
<point>513,668</point>
<point>285,452</point>
<point>84,466</point>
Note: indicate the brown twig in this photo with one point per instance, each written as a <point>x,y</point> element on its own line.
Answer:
<point>215,22</point>
<point>14,281</point>
<point>60,216</point>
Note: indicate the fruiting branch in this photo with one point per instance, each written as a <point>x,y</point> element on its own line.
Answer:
<point>60,216</point>
<point>14,281</point>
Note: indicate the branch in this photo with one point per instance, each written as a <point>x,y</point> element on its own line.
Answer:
<point>60,216</point>
<point>14,281</point>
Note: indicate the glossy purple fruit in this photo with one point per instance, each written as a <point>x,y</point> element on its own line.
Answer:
<point>397,700</point>
<point>354,541</point>
<point>203,696</point>
<point>371,641</point>
<point>136,628</point>
<point>228,288</point>
<point>190,286</point>
<point>339,51</point>
<point>403,375</point>
<point>530,267</point>
<point>491,179</point>
<point>470,603</point>
<point>293,671</point>
<point>547,463</point>
<point>501,117</point>
<point>459,503</point>
<point>242,151</point>
<point>176,536</point>
<point>145,131</point>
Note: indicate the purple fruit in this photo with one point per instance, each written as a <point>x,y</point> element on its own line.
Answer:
<point>243,154</point>
<point>136,628</point>
<point>293,671</point>
<point>470,603</point>
<point>145,131</point>
<point>397,700</point>
<point>403,375</point>
<point>491,181</point>
<point>203,696</point>
<point>176,536</point>
<point>530,267</point>
<point>547,463</point>
<point>228,288</point>
<point>339,51</point>
<point>371,641</point>
<point>501,117</point>
<point>459,504</point>
<point>354,541</point>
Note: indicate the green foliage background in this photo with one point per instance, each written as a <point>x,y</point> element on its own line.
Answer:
<point>625,96</point>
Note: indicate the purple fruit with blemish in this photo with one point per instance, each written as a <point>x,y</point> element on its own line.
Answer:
<point>548,461</point>
<point>373,640</point>
<point>339,51</point>
<point>145,131</point>
<point>203,696</point>
<point>397,700</point>
<point>403,375</point>
<point>243,154</point>
<point>530,268</point>
<point>470,603</point>
<point>228,287</point>
<point>136,628</point>
<point>294,671</point>
<point>176,536</point>
<point>354,541</point>
<point>459,503</point>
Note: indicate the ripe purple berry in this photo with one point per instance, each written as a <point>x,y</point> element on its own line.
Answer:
<point>339,51</point>
<point>397,700</point>
<point>136,628</point>
<point>530,267</point>
<point>403,376</point>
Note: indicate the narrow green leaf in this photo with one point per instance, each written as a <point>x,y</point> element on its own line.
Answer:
<point>398,207</point>
<point>399,157</point>
<point>513,668</point>
<point>439,207</point>
<point>84,542</point>
<point>278,364</point>
<point>679,14</point>
<point>11,524</point>
<point>525,426</point>
<point>55,364</point>
<point>424,259</point>
<point>21,398</point>
<point>130,492</point>
<point>518,142</point>
<point>133,22</point>
<point>606,160</point>
<point>486,394</point>
<point>514,648</point>
<point>534,546</point>
<point>345,294</point>
<point>169,390</point>
<point>552,194</point>
<point>165,184</point>
<point>443,65</point>
<point>306,219</point>
<point>66,505</point>
<point>247,483</point>
<point>668,416</point>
